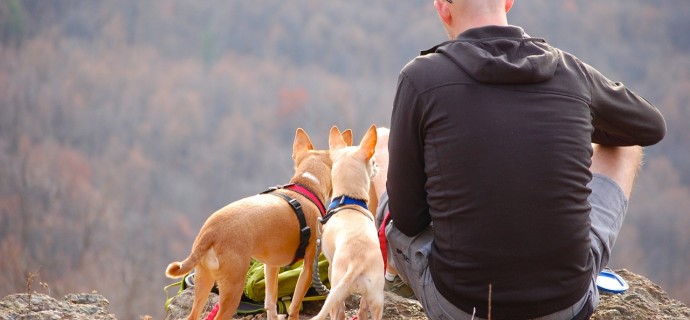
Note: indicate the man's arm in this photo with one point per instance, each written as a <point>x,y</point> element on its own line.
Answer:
<point>406,175</point>
<point>621,117</point>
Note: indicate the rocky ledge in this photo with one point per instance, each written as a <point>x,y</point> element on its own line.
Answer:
<point>643,300</point>
<point>83,306</point>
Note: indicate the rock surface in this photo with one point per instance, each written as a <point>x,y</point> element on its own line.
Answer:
<point>38,306</point>
<point>644,300</point>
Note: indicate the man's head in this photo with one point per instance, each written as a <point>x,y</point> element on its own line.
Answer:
<point>460,15</point>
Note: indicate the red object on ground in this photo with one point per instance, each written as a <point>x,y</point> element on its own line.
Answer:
<point>214,312</point>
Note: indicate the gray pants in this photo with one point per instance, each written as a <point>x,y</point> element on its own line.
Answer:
<point>410,254</point>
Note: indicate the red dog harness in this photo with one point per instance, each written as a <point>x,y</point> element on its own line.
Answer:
<point>308,194</point>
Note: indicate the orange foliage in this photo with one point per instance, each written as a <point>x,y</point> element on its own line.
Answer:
<point>291,101</point>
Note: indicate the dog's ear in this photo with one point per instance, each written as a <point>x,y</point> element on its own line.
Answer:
<point>368,144</point>
<point>347,136</point>
<point>301,144</point>
<point>335,139</point>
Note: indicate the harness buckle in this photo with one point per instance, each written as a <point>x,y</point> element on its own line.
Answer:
<point>295,204</point>
<point>277,187</point>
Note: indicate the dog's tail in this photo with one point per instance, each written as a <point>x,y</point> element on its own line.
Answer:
<point>178,269</point>
<point>338,293</point>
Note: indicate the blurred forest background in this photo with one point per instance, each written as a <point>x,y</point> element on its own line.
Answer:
<point>125,124</point>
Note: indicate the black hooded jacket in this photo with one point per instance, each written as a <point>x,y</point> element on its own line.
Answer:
<point>491,140</point>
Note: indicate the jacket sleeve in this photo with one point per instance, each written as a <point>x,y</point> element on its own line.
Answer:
<point>621,117</point>
<point>406,175</point>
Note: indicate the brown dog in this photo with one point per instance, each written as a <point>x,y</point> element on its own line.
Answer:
<point>264,227</point>
<point>349,238</point>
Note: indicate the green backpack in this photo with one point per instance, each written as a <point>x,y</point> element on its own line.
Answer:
<point>255,286</point>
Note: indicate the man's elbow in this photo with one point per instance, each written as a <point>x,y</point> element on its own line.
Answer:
<point>655,133</point>
<point>405,229</point>
<point>410,228</point>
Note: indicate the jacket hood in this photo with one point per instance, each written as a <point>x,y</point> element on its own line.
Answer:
<point>501,55</point>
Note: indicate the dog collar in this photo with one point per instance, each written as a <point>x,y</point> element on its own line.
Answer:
<point>345,200</point>
<point>338,203</point>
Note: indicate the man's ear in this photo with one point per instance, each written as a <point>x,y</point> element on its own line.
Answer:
<point>443,12</point>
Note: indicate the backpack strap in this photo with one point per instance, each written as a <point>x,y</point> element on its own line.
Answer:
<point>383,242</point>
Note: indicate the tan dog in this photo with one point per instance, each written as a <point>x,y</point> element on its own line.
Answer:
<point>349,238</point>
<point>378,182</point>
<point>264,227</point>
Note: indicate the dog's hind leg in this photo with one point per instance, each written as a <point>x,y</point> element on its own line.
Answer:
<point>373,303</point>
<point>339,312</point>
<point>377,311</point>
<point>203,282</point>
<point>335,303</point>
<point>270,301</point>
<point>231,280</point>
<point>363,308</point>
